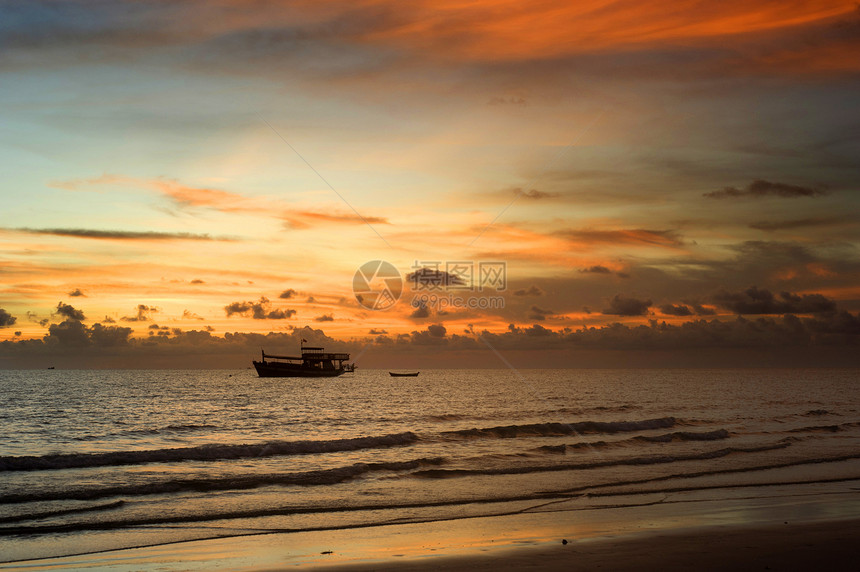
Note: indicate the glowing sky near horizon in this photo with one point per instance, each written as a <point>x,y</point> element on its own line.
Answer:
<point>662,152</point>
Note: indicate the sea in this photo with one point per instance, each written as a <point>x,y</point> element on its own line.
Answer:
<point>100,460</point>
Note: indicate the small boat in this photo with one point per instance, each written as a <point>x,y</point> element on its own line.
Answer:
<point>314,362</point>
<point>412,374</point>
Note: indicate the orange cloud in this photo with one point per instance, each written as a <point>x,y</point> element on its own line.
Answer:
<point>186,196</point>
<point>820,269</point>
<point>630,237</point>
<point>229,202</point>
<point>303,219</point>
<point>790,34</point>
<point>514,30</point>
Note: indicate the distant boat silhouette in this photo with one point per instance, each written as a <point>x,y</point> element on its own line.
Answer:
<point>412,374</point>
<point>314,362</point>
<point>51,367</point>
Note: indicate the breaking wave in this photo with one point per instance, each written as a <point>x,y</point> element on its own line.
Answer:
<point>647,460</point>
<point>681,436</point>
<point>821,428</point>
<point>684,436</point>
<point>306,478</point>
<point>560,429</point>
<point>61,512</point>
<point>202,453</point>
<point>221,452</point>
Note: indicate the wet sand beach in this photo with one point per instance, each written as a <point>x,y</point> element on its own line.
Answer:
<point>800,527</point>
<point>819,546</point>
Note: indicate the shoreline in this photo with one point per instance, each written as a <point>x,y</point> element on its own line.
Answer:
<point>828,546</point>
<point>795,527</point>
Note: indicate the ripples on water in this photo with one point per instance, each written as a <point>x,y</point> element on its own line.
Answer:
<point>95,460</point>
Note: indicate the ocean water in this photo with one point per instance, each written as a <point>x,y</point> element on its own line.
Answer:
<point>99,460</point>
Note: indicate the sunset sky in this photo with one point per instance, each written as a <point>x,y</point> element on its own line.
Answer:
<point>673,179</point>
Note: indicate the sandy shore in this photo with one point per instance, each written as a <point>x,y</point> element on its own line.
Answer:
<point>796,528</point>
<point>828,546</point>
<point>831,546</point>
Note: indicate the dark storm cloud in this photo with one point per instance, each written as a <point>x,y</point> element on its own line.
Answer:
<point>69,333</point>
<point>624,306</point>
<point>421,311</point>
<point>324,318</point>
<point>777,340</point>
<point>375,332</point>
<point>99,341</point>
<point>69,312</point>
<point>422,338</point>
<point>793,265</point>
<point>74,334</point>
<point>238,308</point>
<point>437,330</point>
<point>702,310</point>
<point>109,336</point>
<point>261,310</point>
<point>6,319</point>
<point>120,234</point>
<point>534,194</point>
<point>197,281</point>
<point>772,226</point>
<point>595,270</point>
<point>761,188</point>
<point>287,294</point>
<point>633,236</point>
<point>770,253</point>
<point>144,314</point>
<point>834,330</point>
<point>755,300</point>
<point>537,313</point>
<point>77,292</point>
<point>530,291</point>
<point>675,310</point>
<point>280,314</point>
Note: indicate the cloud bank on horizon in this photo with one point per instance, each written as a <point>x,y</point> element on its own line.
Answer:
<point>651,176</point>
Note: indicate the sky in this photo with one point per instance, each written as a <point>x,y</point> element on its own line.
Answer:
<point>569,184</point>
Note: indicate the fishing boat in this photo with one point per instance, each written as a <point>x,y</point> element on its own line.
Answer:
<point>412,374</point>
<point>314,362</point>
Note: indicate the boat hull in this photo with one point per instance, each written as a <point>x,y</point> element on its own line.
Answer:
<point>269,369</point>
